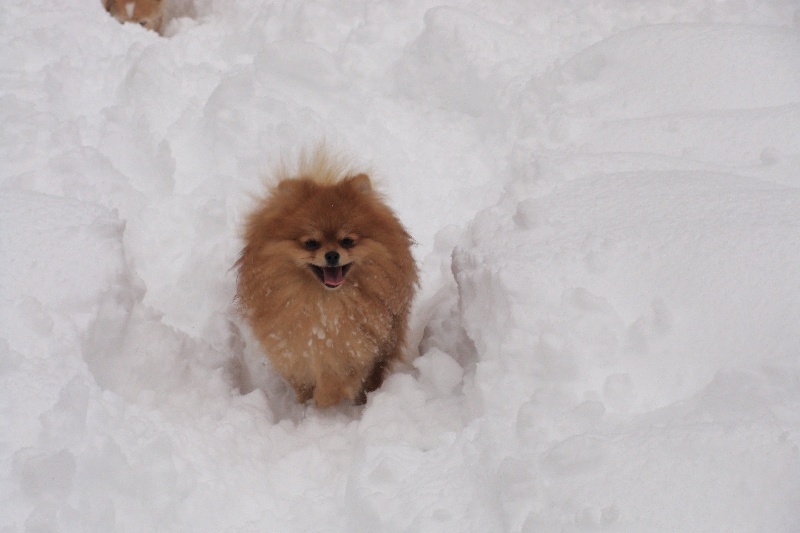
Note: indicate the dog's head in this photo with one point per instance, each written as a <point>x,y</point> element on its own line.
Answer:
<point>331,232</point>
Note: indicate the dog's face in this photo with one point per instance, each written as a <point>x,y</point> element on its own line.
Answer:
<point>329,256</point>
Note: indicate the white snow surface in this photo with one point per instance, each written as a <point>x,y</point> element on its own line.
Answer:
<point>606,200</point>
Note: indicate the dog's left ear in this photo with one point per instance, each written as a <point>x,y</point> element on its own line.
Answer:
<point>361,182</point>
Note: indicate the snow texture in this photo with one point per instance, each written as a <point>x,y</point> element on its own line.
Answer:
<point>606,200</point>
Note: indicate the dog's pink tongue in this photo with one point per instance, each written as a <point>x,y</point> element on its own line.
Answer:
<point>333,276</point>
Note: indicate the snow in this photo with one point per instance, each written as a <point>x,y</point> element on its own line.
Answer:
<point>606,200</point>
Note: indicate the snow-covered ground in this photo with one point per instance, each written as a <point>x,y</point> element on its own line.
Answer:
<point>606,197</point>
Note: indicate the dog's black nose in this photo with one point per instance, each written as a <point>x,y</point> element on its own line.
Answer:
<point>332,258</point>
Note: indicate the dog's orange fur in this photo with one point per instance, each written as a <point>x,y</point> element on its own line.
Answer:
<point>148,13</point>
<point>330,344</point>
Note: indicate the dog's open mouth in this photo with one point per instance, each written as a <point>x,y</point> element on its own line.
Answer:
<point>331,277</point>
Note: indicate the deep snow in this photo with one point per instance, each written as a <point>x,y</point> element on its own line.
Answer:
<point>606,198</point>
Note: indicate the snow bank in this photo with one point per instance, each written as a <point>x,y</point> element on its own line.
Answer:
<point>606,202</point>
<point>642,345</point>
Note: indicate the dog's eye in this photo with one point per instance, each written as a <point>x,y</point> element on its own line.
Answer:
<point>347,242</point>
<point>143,22</point>
<point>311,245</point>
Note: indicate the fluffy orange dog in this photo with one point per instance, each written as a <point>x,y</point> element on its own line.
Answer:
<point>325,280</point>
<point>148,13</point>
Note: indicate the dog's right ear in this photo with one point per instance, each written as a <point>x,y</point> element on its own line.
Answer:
<point>361,182</point>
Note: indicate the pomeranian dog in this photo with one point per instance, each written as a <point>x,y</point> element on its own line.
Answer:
<point>325,281</point>
<point>148,13</point>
